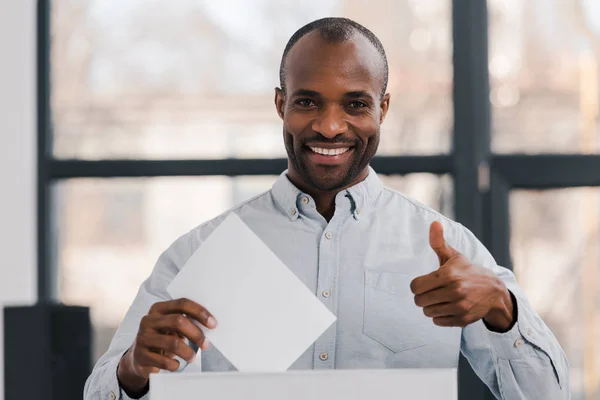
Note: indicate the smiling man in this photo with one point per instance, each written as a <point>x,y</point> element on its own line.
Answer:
<point>410,288</point>
<point>332,102</point>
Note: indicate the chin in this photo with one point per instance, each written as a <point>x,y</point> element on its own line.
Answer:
<point>328,181</point>
<point>328,186</point>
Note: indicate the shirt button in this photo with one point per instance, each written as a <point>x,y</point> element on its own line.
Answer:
<point>305,200</point>
<point>529,331</point>
<point>113,396</point>
<point>325,293</point>
<point>323,356</point>
<point>294,212</point>
<point>329,235</point>
<point>357,211</point>
<point>518,343</point>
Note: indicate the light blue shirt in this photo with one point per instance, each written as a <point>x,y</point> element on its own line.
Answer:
<point>360,265</point>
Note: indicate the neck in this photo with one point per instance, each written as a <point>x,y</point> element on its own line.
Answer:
<point>324,199</point>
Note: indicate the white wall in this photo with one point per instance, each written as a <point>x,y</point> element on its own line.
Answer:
<point>17,158</point>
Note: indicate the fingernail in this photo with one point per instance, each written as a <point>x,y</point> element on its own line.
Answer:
<point>211,322</point>
<point>205,344</point>
<point>193,358</point>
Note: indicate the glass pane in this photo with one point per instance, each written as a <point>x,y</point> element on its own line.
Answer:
<point>111,231</point>
<point>544,58</point>
<point>431,190</point>
<point>196,79</point>
<point>554,246</point>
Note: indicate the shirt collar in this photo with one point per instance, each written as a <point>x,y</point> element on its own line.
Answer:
<point>355,199</point>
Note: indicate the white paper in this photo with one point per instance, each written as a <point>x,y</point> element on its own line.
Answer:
<point>267,318</point>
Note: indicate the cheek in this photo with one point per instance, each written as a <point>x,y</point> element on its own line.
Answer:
<point>296,124</point>
<point>367,129</point>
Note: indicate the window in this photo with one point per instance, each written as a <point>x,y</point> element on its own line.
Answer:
<point>544,75</point>
<point>162,117</point>
<point>112,231</point>
<point>544,59</point>
<point>196,79</point>
<point>555,244</point>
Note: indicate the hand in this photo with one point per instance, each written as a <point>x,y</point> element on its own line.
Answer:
<point>460,293</point>
<point>160,338</point>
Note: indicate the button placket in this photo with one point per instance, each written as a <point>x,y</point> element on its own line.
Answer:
<point>324,349</point>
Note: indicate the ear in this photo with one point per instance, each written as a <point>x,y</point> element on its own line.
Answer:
<point>279,102</point>
<point>385,104</point>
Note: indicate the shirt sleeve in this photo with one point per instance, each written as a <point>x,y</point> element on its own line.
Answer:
<point>102,384</point>
<point>526,362</point>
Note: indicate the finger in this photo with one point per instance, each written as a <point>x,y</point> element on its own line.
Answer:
<point>177,324</point>
<point>168,345</point>
<point>433,280</point>
<point>448,321</point>
<point>437,242</point>
<point>437,296</point>
<point>150,359</point>
<point>204,345</point>
<point>164,352</point>
<point>187,307</point>
<point>442,310</point>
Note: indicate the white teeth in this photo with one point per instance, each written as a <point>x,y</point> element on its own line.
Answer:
<point>330,152</point>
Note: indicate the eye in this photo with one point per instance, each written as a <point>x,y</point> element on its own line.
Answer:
<point>305,103</point>
<point>358,104</point>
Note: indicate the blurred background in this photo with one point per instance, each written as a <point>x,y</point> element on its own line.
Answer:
<point>193,80</point>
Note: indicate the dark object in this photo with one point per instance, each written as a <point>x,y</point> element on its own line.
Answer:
<point>47,352</point>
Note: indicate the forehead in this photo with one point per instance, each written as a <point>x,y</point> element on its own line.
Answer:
<point>316,64</point>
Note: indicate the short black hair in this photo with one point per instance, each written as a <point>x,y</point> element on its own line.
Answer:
<point>334,30</point>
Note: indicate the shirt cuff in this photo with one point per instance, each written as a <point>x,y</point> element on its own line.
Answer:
<point>520,340</point>
<point>111,387</point>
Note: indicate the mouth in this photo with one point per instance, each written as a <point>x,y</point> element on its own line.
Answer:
<point>328,155</point>
<point>329,152</point>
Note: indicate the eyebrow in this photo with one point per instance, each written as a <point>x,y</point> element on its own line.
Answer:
<point>306,92</point>
<point>359,94</point>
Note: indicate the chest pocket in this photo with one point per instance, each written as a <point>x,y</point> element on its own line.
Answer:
<point>390,315</point>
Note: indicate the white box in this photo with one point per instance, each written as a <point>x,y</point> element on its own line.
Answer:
<point>396,384</point>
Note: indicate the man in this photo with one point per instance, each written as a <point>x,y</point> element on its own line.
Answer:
<point>357,245</point>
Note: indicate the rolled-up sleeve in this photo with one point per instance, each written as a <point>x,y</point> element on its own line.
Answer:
<point>526,362</point>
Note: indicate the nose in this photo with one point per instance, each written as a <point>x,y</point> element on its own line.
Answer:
<point>330,122</point>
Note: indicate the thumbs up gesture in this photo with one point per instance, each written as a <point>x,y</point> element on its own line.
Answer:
<point>460,293</point>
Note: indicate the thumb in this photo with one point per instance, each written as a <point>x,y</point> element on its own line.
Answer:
<point>438,243</point>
